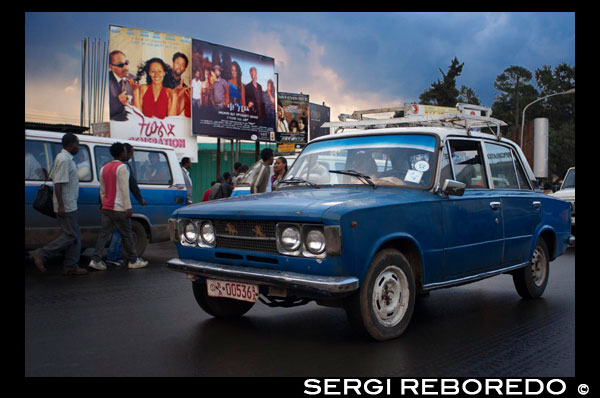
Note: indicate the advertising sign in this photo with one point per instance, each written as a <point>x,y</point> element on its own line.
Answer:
<point>319,114</point>
<point>233,93</point>
<point>149,88</point>
<point>293,119</point>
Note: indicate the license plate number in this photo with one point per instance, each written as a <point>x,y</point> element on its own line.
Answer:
<point>232,290</point>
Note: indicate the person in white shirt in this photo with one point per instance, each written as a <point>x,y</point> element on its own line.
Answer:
<point>65,196</point>
<point>196,90</point>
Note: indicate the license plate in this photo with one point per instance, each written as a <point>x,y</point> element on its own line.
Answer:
<point>232,290</point>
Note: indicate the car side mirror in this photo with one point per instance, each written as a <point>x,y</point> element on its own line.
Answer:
<point>452,187</point>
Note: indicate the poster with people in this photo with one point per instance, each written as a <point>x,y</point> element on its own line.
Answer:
<point>319,114</point>
<point>293,118</point>
<point>233,93</point>
<point>149,88</point>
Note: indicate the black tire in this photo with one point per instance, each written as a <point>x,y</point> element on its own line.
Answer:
<point>382,308</point>
<point>531,280</point>
<point>219,307</point>
<point>140,238</point>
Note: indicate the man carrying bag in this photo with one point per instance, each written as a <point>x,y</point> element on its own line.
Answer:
<point>66,193</point>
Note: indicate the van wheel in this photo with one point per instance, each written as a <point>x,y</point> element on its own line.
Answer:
<point>219,307</point>
<point>531,280</point>
<point>140,239</point>
<point>382,308</point>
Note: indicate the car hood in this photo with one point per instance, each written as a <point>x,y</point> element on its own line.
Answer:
<point>308,204</point>
<point>565,194</point>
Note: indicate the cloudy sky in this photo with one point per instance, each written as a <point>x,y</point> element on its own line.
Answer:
<point>349,61</point>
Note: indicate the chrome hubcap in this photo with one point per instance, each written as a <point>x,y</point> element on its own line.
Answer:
<point>390,296</point>
<point>539,267</point>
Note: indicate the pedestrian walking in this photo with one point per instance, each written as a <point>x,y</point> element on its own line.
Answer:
<point>64,199</point>
<point>113,254</point>
<point>116,209</point>
<point>186,165</point>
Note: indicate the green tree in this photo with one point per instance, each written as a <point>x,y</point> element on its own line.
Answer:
<point>468,96</point>
<point>444,92</point>
<point>515,92</point>
<point>560,112</point>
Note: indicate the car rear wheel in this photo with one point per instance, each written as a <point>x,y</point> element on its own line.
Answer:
<point>219,307</point>
<point>140,239</point>
<point>383,306</point>
<point>531,280</point>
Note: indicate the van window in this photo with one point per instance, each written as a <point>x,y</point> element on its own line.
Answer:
<point>102,156</point>
<point>152,167</point>
<point>467,160</point>
<point>502,166</point>
<point>83,163</point>
<point>37,160</point>
<point>40,155</point>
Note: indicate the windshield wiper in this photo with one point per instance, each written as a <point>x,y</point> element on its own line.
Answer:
<point>298,180</point>
<point>363,177</point>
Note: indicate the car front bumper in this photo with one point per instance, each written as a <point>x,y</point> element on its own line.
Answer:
<point>331,286</point>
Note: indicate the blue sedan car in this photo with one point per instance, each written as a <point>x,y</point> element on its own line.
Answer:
<point>368,220</point>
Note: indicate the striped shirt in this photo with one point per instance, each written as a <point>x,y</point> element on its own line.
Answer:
<point>114,186</point>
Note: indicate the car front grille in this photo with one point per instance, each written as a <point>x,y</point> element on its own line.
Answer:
<point>255,236</point>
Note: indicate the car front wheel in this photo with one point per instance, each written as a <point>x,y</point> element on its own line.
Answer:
<point>219,307</point>
<point>531,280</point>
<point>382,308</point>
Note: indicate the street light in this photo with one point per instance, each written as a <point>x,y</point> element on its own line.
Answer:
<point>570,91</point>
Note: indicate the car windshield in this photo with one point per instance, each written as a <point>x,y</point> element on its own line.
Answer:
<point>377,160</point>
<point>250,174</point>
<point>569,180</point>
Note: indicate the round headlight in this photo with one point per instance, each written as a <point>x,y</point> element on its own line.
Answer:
<point>290,239</point>
<point>208,233</point>
<point>315,241</point>
<point>189,231</point>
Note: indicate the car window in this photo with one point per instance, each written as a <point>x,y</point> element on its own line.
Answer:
<point>569,180</point>
<point>384,160</point>
<point>521,176</point>
<point>446,171</point>
<point>152,167</point>
<point>467,161</point>
<point>502,166</point>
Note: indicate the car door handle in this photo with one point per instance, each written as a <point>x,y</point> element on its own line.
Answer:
<point>495,205</point>
<point>537,204</point>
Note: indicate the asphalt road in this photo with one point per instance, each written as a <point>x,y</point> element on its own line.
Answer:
<point>146,322</point>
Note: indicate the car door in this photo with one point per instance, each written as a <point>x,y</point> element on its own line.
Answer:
<point>473,235</point>
<point>521,206</point>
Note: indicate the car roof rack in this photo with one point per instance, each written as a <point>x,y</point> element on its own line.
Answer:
<point>465,116</point>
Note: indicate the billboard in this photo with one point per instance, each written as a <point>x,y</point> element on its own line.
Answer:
<point>293,119</point>
<point>319,114</point>
<point>233,93</point>
<point>149,88</point>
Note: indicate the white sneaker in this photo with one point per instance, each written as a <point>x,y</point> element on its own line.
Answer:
<point>139,263</point>
<point>99,265</point>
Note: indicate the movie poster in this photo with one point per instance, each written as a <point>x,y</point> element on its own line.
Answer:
<point>149,88</point>
<point>292,120</point>
<point>233,93</point>
<point>319,114</point>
